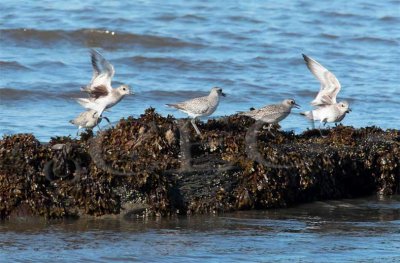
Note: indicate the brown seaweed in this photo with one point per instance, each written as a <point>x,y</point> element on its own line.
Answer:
<point>159,166</point>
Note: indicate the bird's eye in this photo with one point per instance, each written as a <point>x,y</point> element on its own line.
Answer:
<point>291,102</point>
<point>124,89</point>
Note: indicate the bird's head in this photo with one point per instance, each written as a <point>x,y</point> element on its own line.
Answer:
<point>217,91</point>
<point>344,107</point>
<point>290,103</point>
<point>124,90</point>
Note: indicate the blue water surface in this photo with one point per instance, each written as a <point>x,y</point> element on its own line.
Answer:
<point>172,51</point>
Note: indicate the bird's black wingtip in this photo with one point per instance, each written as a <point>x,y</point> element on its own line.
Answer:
<point>94,53</point>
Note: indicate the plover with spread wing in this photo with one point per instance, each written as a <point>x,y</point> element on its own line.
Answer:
<point>200,107</point>
<point>272,114</point>
<point>327,109</point>
<point>101,94</point>
<point>329,113</point>
<point>87,119</point>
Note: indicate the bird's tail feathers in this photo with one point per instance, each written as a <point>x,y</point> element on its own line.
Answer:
<point>84,102</point>
<point>85,88</point>
<point>308,114</point>
<point>174,105</point>
<point>242,113</point>
<point>88,104</point>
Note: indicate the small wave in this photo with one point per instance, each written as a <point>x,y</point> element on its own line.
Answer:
<point>49,64</point>
<point>180,63</point>
<point>12,65</point>
<point>375,40</point>
<point>94,37</point>
<point>157,60</point>
<point>13,94</point>
<point>305,93</point>
<point>166,17</point>
<point>230,35</point>
<point>339,14</point>
<point>192,17</point>
<point>244,19</point>
<point>18,94</point>
<point>291,34</point>
<point>186,18</point>
<point>389,19</point>
<point>329,36</point>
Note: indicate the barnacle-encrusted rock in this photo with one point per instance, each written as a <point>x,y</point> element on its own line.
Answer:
<point>158,165</point>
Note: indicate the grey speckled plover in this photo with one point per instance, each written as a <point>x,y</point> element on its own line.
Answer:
<point>87,119</point>
<point>200,107</point>
<point>272,114</point>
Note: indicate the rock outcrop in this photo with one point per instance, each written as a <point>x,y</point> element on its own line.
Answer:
<point>157,165</point>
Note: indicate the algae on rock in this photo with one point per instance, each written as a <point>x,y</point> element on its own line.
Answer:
<point>157,165</point>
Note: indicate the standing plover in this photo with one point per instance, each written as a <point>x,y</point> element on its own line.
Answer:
<point>87,119</point>
<point>272,114</point>
<point>200,107</point>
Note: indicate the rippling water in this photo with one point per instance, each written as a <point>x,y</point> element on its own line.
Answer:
<point>180,49</point>
<point>363,230</point>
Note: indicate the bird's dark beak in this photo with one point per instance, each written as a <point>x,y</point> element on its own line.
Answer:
<point>348,111</point>
<point>223,94</point>
<point>296,105</point>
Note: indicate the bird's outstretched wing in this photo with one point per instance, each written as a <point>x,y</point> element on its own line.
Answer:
<point>330,85</point>
<point>103,71</point>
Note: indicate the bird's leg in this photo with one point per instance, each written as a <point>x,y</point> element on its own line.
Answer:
<point>319,129</point>
<point>328,126</point>
<point>109,123</point>
<point>193,121</point>
<point>270,125</point>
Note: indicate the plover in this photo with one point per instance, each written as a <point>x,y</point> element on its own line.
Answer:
<point>200,107</point>
<point>272,114</point>
<point>87,119</point>
<point>329,113</point>
<point>101,95</point>
<point>327,109</point>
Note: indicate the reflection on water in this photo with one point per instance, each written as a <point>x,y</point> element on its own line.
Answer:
<point>363,229</point>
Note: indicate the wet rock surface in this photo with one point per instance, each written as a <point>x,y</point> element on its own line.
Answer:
<point>158,166</point>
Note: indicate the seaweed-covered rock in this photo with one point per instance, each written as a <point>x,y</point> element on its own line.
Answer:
<point>158,165</point>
